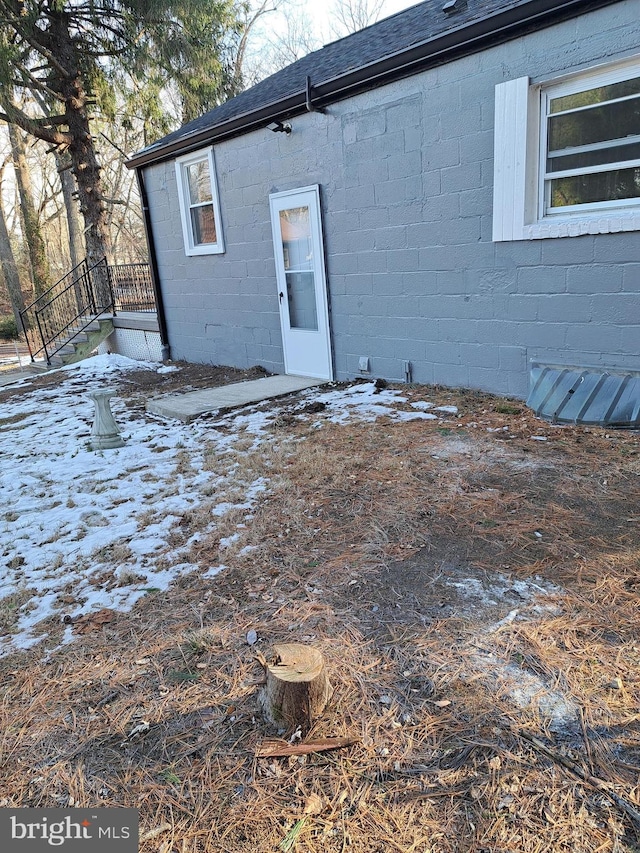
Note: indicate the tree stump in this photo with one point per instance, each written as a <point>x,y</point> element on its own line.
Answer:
<point>297,688</point>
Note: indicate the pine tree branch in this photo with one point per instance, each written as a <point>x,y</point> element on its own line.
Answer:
<point>35,127</point>
<point>32,82</point>
<point>13,21</point>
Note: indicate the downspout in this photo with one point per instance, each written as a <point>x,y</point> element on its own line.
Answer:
<point>153,263</point>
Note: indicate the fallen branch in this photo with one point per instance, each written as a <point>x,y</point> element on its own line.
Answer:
<point>153,833</point>
<point>276,748</point>
<point>604,787</point>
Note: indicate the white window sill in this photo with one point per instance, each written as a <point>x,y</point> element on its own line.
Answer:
<point>208,249</point>
<point>577,227</point>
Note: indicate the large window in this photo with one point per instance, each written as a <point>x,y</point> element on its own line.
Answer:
<point>199,205</point>
<point>567,155</point>
<point>592,146</point>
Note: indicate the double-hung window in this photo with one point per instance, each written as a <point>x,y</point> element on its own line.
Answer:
<point>592,146</point>
<point>567,155</point>
<point>199,203</point>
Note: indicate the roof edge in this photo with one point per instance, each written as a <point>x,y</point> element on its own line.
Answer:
<point>464,40</point>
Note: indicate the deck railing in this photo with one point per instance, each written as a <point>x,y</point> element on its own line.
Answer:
<point>132,287</point>
<point>84,294</point>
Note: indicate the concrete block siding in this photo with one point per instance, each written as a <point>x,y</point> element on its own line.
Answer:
<point>406,176</point>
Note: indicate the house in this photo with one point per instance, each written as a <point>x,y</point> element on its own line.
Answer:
<point>450,196</point>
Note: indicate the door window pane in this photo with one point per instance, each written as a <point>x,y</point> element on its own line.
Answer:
<point>301,296</point>
<point>297,253</point>
<point>297,248</point>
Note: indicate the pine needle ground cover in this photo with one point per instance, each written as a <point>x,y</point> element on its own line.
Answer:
<point>469,573</point>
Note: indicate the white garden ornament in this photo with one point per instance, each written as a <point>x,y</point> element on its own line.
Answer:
<point>105,434</point>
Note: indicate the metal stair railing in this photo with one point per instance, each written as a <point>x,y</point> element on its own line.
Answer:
<point>67,308</point>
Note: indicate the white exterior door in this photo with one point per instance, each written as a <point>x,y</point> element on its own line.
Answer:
<point>301,280</point>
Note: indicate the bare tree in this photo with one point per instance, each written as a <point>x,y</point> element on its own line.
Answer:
<point>252,16</point>
<point>297,41</point>
<point>116,141</point>
<point>350,16</point>
<point>67,55</point>
<point>277,39</point>
<point>10,274</point>
<point>72,212</point>
<point>30,220</point>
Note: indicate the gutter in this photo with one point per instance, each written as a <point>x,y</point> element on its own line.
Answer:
<point>453,44</point>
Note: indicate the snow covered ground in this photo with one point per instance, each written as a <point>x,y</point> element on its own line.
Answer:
<point>82,530</point>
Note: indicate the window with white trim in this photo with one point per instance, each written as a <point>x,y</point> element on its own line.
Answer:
<point>592,146</point>
<point>199,203</point>
<point>567,155</point>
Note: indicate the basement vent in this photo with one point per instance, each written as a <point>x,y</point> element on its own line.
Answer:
<point>576,396</point>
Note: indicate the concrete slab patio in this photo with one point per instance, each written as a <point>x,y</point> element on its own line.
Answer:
<point>187,407</point>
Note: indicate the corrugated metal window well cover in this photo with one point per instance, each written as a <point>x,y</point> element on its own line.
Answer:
<point>573,395</point>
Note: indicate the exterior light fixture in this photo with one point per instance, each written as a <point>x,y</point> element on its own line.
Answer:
<point>280,127</point>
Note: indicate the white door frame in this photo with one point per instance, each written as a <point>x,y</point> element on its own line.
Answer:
<point>306,342</point>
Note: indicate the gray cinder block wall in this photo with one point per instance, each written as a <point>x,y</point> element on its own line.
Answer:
<point>406,177</point>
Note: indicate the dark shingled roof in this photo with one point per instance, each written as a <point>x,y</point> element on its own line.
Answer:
<point>396,46</point>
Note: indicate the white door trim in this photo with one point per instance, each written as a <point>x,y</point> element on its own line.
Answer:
<point>307,349</point>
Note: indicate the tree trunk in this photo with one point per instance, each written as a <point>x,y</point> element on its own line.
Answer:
<point>32,234</point>
<point>74,227</point>
<point>87,174</point>
<point>10,271</point>
<point>84,162</point>
<point>297,688</point>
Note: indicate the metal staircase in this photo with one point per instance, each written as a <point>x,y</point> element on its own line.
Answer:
<point>70,319</point>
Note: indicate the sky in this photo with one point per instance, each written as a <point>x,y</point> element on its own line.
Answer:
<point>82,530</point>
<point>322,12</point>
<point>303,22</point>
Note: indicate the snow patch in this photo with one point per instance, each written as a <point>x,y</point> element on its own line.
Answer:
<point>86,530</point>
<point>521,686</point>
